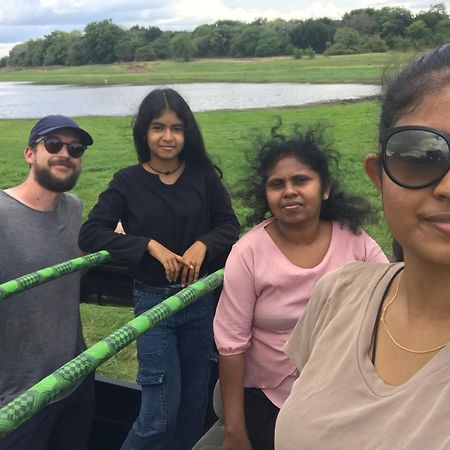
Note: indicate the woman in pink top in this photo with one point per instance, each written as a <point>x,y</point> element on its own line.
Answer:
<point>270,273</point>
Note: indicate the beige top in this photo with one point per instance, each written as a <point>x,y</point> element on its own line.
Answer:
<point>339,401</point>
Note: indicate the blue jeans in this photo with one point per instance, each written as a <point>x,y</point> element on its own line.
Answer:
<point>174,363</point>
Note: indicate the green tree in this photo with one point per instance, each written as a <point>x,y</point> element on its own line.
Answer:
<point>244,44</point>
<point>347,41</point>
<point>222,36</point>
<point>133,39</point>
<point>376,44</point>
<point>35,52</point>
<point>441,33</point>
<point>202,37</point>
<point>362,20</point>
<point>419,34</point>
<point>58,45</point>
<point>76,55</point>
<point>145,53</point>
<point>313,33</point>
<point>433,16</point>
<point>182,46</point>
<point>271,42</point>
<point>100,41</point>
<point>161,45</point>
<point>392,23</point>
<point>18,55</point>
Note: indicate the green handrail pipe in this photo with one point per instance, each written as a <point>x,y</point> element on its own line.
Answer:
<point>45,391</point>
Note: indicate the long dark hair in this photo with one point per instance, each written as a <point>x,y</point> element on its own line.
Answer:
<point>153,106</point>
<point>310,148</point>
<point>427,74</point>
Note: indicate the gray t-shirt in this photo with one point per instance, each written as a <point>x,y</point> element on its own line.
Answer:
<point>339,401</point>
<point>40,329</point>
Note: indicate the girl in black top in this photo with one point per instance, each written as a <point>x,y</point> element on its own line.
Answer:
<point>178,222</point>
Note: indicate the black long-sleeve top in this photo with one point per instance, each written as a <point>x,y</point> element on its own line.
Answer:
<point>195,207</point>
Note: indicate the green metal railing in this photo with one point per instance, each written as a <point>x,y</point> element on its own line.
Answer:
<point>50,273</point>
<point>45,391</point>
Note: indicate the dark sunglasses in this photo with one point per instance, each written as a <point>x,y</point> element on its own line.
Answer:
<point>54,145</point>
<point>415,157</point>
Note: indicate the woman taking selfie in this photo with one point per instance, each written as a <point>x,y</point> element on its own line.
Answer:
<point>371,348</point>
<point>314,228</point>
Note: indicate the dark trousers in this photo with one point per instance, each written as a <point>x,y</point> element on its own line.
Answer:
<point>260,417</point>
<point>64,425</point>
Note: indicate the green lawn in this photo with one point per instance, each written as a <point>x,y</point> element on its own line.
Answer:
<point>228,135</point>
<point>365,68</point>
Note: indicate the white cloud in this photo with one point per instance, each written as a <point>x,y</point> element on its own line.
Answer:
<point>6,47</point>
<point>22,20</point>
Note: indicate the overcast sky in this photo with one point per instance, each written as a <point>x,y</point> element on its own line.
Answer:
<point>21,20</point>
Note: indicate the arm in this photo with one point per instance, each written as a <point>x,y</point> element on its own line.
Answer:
<point>233,333</point>
<point>232,373</point>
<point>97,233</point>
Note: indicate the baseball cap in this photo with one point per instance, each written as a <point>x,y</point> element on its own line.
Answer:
<point>48,124</point>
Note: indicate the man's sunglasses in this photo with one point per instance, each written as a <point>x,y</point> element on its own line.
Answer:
<point>415,157</point>
<point>54,145</point>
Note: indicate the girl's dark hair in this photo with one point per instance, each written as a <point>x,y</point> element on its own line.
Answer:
<point>153,105</point>
<point>309,147</point>
<point>403,93</point>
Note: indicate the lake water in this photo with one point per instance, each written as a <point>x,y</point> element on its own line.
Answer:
<point>25,100</point>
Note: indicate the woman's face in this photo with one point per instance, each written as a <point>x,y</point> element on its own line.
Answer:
<point>165,137</point>
<point>419,218</point>
<point>294,192</point>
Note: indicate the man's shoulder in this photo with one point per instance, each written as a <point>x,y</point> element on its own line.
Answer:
<point>71,199</point>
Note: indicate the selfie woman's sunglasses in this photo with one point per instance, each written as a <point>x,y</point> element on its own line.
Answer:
<point>54,145</point>
<point>415,157</point>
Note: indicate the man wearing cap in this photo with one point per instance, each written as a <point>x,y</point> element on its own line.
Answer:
<point>40,329</point>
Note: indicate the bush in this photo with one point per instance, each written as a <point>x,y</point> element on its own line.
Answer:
<point>297,53</point>
<point>309,52</point>
<point>145,53</point>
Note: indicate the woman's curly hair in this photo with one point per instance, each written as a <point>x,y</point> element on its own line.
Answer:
<point>309,146</point>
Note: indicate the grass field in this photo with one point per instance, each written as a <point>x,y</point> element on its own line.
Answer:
<point>228,135</point>
<point>365,68</point>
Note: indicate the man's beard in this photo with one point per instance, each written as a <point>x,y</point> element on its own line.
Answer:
<point>54,184</point>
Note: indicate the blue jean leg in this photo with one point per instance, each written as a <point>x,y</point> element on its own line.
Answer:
<point>195,347</point>
<point>173,372</point>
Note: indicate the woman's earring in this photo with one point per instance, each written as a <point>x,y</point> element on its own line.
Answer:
<point>325,197</point>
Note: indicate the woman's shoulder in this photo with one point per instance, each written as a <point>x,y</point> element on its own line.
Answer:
<point>359,243</point>
<point>252,236</point>
<point>129,171</point>
<point>202,170</point>
<point>356,275</point>
<point>128,175</point>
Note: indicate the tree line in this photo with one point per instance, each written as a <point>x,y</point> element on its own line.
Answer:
<point>359,31</point>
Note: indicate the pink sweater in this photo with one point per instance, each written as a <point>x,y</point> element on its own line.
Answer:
<point>263,296</point>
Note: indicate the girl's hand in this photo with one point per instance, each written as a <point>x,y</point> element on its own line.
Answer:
<point>170,260</point>
<point>192,259</point>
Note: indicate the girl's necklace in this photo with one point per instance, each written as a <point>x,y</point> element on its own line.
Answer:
<point>169,172</point>
<point>382,320</point>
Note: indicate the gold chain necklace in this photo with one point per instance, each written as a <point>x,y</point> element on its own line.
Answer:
<point>383,313</point>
